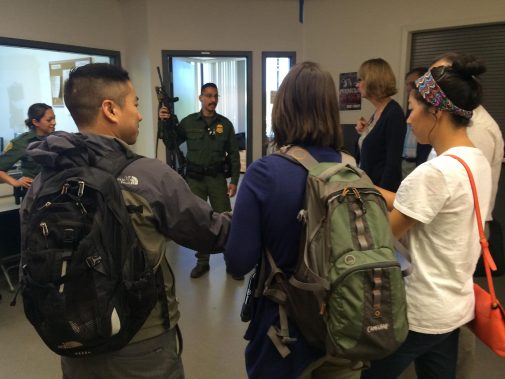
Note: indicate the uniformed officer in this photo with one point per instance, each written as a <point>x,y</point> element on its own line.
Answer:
<point>211,149</point>
<point>41,122</point>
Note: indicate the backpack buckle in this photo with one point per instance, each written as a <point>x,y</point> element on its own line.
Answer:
<point>93,261</point>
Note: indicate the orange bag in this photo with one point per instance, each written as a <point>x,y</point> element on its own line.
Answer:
<point>489,322</point>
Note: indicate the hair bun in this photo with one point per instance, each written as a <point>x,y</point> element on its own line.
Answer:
<point>28,122</point>
<point>468,66</point>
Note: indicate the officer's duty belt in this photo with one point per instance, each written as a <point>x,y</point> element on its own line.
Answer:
<point>197,171</point>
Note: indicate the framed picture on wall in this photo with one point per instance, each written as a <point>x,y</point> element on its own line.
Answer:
<point>349,96</point>
<point>58,73</point>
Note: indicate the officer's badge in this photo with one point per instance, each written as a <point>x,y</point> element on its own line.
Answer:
<point>219,128</point>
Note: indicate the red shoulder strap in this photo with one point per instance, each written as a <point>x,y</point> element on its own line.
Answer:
<point>486,255</point>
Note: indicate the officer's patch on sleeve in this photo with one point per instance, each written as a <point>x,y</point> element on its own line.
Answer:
<point>8,147</point>
<point>219,129</point>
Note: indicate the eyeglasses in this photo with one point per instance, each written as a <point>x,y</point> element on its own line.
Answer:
<point>210,96</point>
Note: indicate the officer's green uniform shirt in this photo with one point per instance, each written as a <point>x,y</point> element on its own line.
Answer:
<point>207,150</point>
<point>16,150</point>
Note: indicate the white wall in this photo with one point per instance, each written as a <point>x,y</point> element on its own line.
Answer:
<point>339,34</point>
<point>342,34</point>
<point>241,25</point>
<point>24,80</point>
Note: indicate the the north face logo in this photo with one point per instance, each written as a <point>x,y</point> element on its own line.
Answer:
<point>128,179</point>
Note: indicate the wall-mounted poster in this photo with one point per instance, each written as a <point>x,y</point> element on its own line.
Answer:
<point>349,96</point>
<point>58,73</point>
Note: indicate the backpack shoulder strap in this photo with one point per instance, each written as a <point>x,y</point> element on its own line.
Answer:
<point>115,162</point>
<point>348,159</point>
<point>304,158</point>
<point>298,155</point>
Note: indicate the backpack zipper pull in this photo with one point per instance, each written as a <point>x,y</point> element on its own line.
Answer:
<point>48,204</point>
<point>64,189</point>
<point>80,191</point>
<point>45,229</point>
<point>359,198</point>
<point>343,194</point>
<point>45,232</point>
<point>322,309</point>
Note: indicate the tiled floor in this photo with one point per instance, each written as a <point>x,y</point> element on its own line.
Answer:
<point>213,343</point>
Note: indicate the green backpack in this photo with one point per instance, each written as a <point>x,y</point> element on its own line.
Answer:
<point>347,294</point>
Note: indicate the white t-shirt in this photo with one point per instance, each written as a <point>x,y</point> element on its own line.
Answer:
<point>486,135</point>
<point>444,244</point>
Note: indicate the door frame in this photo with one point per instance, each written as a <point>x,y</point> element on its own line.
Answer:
<point>167,70</point>
<point>264,55</point>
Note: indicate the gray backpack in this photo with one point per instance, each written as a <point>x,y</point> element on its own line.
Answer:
<point>347,294</point>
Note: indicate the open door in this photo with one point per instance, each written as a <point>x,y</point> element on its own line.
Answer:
<point>184,73</point>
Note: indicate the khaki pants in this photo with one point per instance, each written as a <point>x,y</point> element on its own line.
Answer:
<point>154,358</point>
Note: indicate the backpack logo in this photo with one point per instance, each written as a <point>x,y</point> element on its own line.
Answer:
<point>129,180</point>
<point>375,328</point>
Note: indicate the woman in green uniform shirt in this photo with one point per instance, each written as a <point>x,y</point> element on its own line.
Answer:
<point>41,122</point>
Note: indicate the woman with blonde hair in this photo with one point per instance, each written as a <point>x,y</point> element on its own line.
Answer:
<point>380,144</point>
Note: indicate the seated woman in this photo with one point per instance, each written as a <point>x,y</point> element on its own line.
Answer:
<point>41,122</point>
<point>433,210</point>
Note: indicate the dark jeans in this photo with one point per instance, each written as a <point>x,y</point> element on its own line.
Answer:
<point>435,357</point>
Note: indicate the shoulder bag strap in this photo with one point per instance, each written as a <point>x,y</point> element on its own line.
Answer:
<point>486,255</point>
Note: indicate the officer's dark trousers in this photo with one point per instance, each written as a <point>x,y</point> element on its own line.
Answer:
<point>214,189</point>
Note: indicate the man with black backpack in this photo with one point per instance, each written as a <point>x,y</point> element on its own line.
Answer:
<point>102,297</point>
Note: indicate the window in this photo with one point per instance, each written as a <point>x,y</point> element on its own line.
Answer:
<point>34,72</point>
<point>275,66</point>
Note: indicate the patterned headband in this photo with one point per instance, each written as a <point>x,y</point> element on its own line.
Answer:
<point>433,94</point>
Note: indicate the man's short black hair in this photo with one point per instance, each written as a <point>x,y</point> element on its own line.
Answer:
<point>88,86</point>
<point>208,85</point>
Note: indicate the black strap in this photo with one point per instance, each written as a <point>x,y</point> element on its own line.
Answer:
<point>115,161</point>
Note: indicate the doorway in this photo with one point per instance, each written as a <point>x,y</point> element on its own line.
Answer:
<point>185,71</point>
<point>274,67</point>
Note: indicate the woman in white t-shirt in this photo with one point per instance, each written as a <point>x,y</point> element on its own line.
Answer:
<point>433,213</point>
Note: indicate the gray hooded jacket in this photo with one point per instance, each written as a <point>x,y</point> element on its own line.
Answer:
<point>170,211</point>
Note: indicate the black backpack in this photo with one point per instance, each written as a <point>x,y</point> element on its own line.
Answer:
<point>86,285</point>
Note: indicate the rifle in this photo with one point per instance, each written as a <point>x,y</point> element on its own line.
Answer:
<point>167,130</point>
